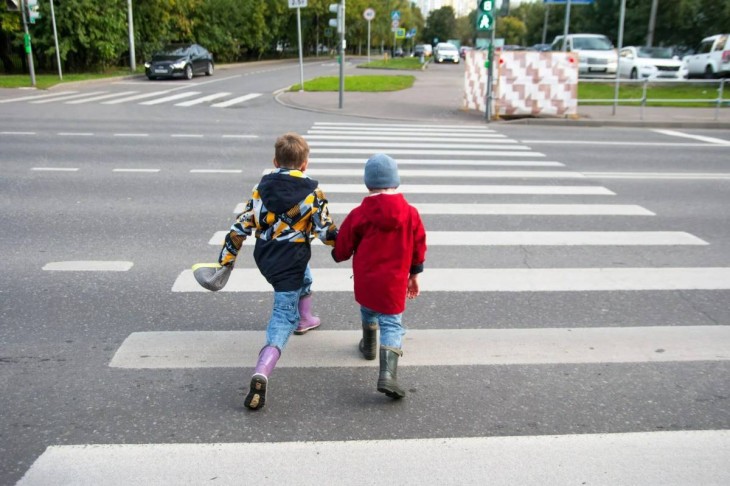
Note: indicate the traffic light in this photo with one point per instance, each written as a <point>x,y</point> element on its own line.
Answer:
<point>13,5</point>
<point>485,15</point>
<point>339,22</point>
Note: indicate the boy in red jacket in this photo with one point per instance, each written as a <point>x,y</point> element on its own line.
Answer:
<point>387,238</point>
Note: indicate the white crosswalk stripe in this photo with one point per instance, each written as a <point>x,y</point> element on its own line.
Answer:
<point>677,457</point>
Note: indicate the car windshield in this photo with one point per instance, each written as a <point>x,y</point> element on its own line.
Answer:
<point>592,43</point>
<point>655,52</point>
<point>174,51</point>
<point>447,47</point>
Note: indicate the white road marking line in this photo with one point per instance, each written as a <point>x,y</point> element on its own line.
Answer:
<point>474,189</point>
<point>235,101</point>
<point>477,347</point>
<point>674,133</point>
<point>99,98</point>
<point>18,133</point>
<point>239,136</point>
<point>38,97</point>
<point>186,135</point>
<point>512,152</point>
<point>88,266</point>
<point>660,175</point>
<point>198,101</point>
<point>136,97</point>
<point>666,457</point>
<point>623,144</point>
<point>216,171</point>
<point>541,238</point>
<point>131,134</point>
<point>55,169</point>
<point>507,209</point>
<point>406,138</point>
<point>136,170</point>
<point>502,280</point>
<point>497,163</point>
<point>67,97</point>
<point>75,134</point>
<point>414,135</point>
<point>456,174</point>
<point>384,146</point>
<point>185,94</point>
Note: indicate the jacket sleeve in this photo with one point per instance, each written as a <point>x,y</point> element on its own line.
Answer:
<point>240,230</point>
<point>419,243</point>
<point>346,243</point>
<point>323,226</point>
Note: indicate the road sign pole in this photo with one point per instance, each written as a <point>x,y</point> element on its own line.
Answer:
<point>28,45</point>
<point>132,55</point>
<point>342,55</point>
<point>490,76</point>
<point>620,45</point>
<point>55,39</point>
<point>301,59</point>
<point>368,41</point>
<point>566,26</point>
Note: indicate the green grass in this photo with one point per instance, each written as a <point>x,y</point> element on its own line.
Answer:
<point>397,63</point>
<point>45,81</point>
<point>370,84</point>
<point>664,92</point>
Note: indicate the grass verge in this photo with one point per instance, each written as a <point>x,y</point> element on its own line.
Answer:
<point>665,94</point>
<point>371,84</point>
<point>45,81</point>
<point>412,63</point>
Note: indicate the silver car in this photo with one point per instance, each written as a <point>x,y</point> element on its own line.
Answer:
<point>446,52</point>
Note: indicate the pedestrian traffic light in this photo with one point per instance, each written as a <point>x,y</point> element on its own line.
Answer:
<point>339,22</point>
<point>485,15</point>
<point>13,5</point>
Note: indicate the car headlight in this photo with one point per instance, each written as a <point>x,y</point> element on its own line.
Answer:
<point>180,64</point>
<point>147,65</point>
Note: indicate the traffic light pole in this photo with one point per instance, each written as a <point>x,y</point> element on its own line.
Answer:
<point>28,48</point>
<point>342,54</point>
<point>490,75</point>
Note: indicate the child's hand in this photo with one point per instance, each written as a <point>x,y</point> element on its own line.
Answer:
<point>412,291</point>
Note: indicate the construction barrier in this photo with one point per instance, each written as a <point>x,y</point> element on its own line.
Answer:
<point>527,83</point>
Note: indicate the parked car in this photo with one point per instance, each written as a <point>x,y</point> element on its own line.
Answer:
<point>424,49</point>
<point>650,63</point>
<point>180,60</point>
<point>711,58</point>
<point>398,52</point>
<point>596,54</point>
<point>446,52</point>
<point>539,47</point>
<point>463,50</point>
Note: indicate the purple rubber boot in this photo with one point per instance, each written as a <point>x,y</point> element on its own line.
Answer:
<point>256,397</point>
<point>307,321</point>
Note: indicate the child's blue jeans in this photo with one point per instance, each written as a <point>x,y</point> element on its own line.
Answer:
<point>391,328</point>
<point>285,314</point>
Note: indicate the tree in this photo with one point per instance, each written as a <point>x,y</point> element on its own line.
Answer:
<point>512,30</point>
<point>441,25</point>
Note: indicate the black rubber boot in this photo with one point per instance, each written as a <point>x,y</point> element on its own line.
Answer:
<point>369,342</point>
<point>387,380</point>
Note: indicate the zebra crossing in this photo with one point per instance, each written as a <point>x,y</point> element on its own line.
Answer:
<point>182,99</point>
<point>336,149</point>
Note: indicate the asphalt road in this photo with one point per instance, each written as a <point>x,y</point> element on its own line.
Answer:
<point>150,185</point>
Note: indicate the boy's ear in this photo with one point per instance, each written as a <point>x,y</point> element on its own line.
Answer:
<point>304,165</point>
<point>276,164</point>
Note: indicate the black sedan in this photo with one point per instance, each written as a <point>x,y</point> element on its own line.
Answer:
<point>180,60</point>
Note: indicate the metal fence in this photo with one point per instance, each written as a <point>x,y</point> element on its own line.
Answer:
<point>718,101</point>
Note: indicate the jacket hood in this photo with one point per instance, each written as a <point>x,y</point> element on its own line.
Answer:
<point>386,211</point>
<point>280,191</point>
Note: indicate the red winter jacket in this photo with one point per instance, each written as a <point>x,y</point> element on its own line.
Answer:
<point>388,241</point>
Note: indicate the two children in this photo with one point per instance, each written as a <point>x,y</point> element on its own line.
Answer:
<point>287,209</point>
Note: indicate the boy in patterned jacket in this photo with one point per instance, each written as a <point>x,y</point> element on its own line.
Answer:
<point>287,209</point>
<point>387,240</point>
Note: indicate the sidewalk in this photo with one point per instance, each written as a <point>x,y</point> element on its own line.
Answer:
<point>437,96</point>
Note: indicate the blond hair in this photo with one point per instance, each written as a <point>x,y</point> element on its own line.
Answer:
<point>291,150</point>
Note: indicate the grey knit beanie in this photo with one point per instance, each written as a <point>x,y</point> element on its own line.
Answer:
<point>381,172</point>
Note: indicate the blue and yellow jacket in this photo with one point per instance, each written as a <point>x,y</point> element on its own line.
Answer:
<point>286,211</point>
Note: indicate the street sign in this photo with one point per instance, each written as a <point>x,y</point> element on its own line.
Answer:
<point>33,12</point>
<point>395,15</point>
<point>297,3</point>
<point>13,5</point>
<point>328,32</point>
<point>394,25</point>
<point>368,14</point>
<point>411,33</point>
<point>400,33</point>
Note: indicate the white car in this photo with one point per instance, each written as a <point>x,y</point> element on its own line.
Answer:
<point>446,52</point>
<point>650,63</point>
<point>596,54</point>
<point>711,59</point>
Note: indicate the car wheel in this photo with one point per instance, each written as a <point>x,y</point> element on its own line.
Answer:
<point>188,72</point>
<point>209,69</point>
<point>151,78</point>
<point>634,74</point>
<point>709,74</point>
